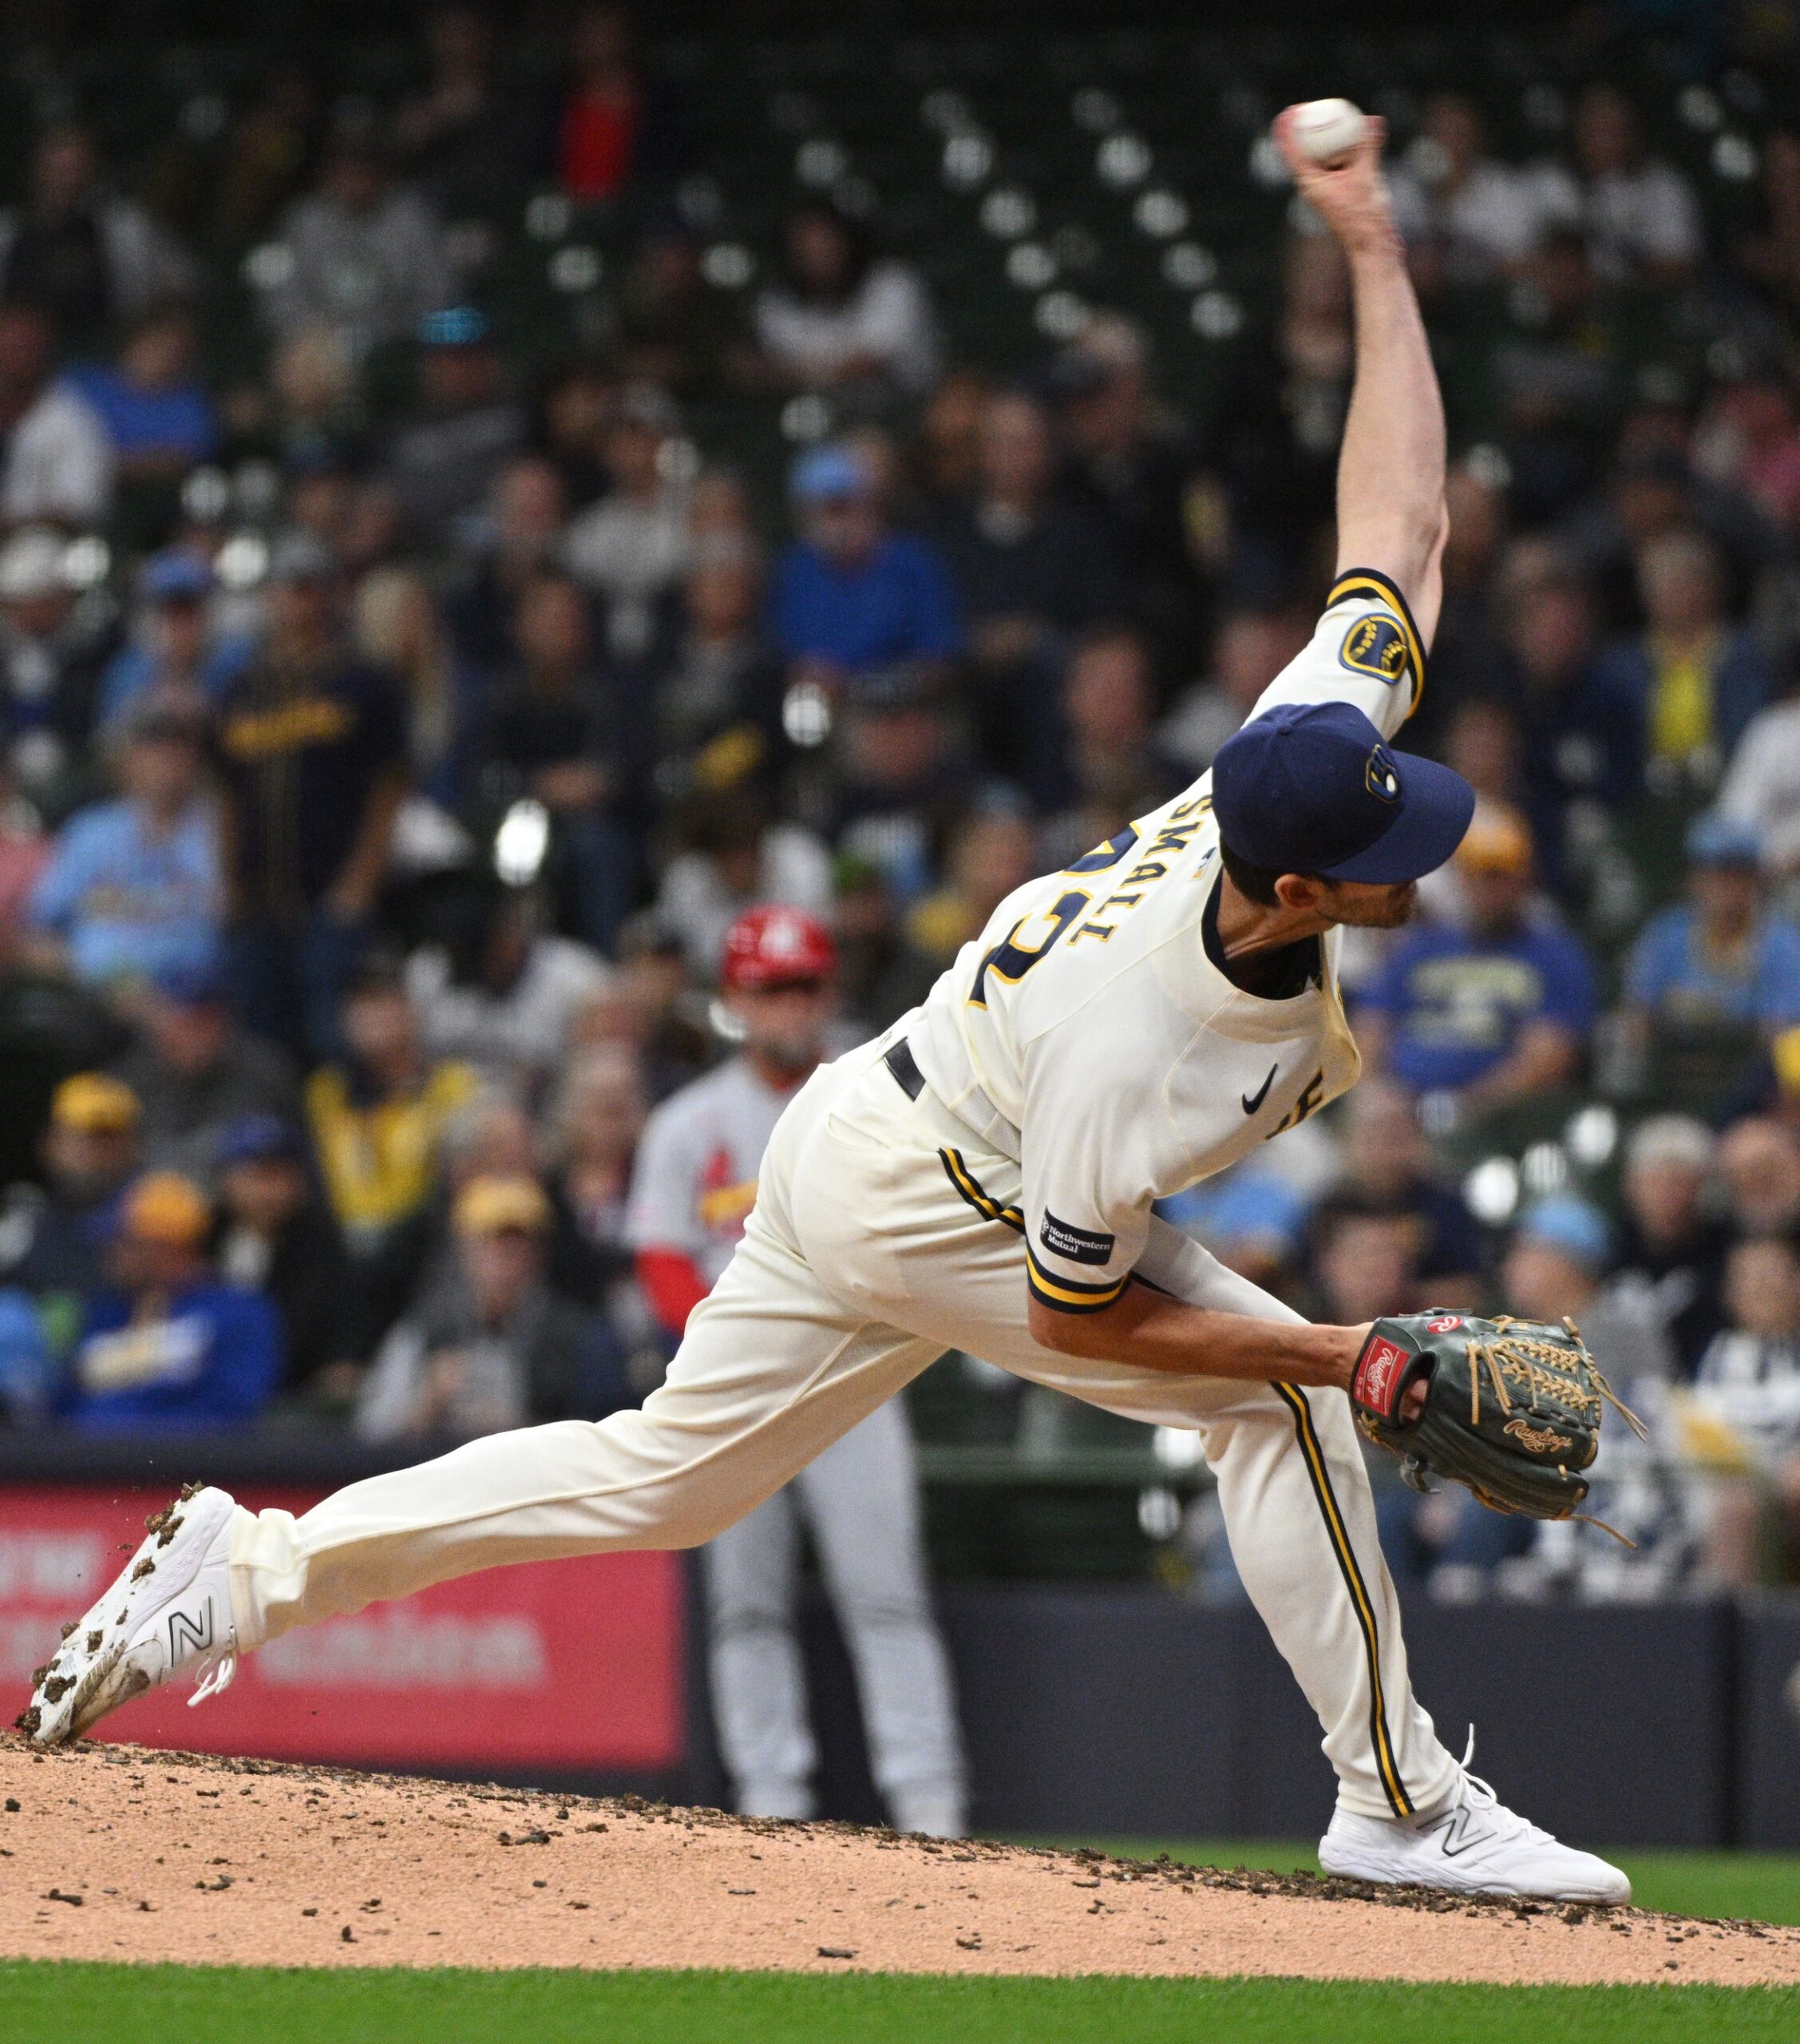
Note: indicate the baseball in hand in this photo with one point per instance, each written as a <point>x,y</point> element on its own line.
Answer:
<point>1326,131</point>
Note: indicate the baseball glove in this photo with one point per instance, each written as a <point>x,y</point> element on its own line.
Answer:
<point>1512,1407</point>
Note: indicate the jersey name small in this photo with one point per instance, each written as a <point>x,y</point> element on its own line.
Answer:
<point>1076,914</point>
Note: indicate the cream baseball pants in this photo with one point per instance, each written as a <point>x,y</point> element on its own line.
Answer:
<point>862,1262</point>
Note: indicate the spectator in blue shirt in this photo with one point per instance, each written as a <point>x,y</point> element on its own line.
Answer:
<point>155,409</point>
<point>172,644</point>
<point>166,1344</point>
<point>849,595</point>
<point>134,886</point>
<point>1492,1011</point>
<point>1716,958</point>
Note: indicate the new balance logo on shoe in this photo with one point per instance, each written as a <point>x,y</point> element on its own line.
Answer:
<point>1456,1825</point>
<point>184,1632</point>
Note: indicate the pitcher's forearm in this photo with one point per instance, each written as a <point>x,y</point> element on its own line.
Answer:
<point>1150,1331</point>
<point>1390,472</point>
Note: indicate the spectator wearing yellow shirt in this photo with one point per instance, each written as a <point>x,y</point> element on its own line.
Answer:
<point>1699,677</point>
<point>378,1118</point>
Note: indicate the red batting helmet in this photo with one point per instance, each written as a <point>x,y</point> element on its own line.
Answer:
<point>777,947</point>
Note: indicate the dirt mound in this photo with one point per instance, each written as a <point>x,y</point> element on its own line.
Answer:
<point>123,1853</point>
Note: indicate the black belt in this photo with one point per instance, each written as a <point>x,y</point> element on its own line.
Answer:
<point>899,1060</point>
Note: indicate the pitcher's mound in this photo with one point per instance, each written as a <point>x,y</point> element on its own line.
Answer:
<point>120,1852</point>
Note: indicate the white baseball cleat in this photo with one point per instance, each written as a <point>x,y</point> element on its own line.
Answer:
<point>1473,1845</point>
<point>168,1612</point>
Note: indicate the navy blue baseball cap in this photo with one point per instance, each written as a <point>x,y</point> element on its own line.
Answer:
<point>199,982</point>
<point>256,1139</point>
<point>1313,788</point>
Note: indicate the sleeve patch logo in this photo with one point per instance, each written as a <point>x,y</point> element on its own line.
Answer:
<point>1076,1244</point>
<point>1376,646</point>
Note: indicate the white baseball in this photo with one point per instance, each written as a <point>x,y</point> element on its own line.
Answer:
<point>1328,130</point>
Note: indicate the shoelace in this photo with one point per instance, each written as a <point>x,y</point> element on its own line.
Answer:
<point>215,1675</point>
<point>1481,1796</point>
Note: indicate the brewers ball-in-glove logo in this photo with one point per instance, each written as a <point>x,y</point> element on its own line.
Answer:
<point>1380,778</point>
<point>1376,646</point>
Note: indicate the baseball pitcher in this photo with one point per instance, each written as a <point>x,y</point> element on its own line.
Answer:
<point>692,1191</point>
<point>983,1177</point>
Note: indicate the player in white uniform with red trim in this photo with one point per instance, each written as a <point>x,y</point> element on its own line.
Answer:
<point>692,1191</point>
<point>983,1178</point>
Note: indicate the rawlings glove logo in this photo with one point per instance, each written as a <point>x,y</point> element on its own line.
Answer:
<point>1380,1369</point>
<point>1535,1440</point>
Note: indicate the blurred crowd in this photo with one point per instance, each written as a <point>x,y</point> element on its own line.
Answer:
<point>388,738</point>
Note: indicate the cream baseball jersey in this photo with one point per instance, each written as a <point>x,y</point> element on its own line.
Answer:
<point>1090,1031</point>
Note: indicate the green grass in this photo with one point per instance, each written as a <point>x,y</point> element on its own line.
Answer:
<point>199,2005</point>
<point>1765,1885</point>
<point>42,2001</point>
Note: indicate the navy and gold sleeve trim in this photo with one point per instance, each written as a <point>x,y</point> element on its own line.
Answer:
<point>1065,1295</point>
<point>1370,582</point>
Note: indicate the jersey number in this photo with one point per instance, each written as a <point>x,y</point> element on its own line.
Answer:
<point>1011,961</point>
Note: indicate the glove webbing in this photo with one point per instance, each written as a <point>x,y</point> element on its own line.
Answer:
<point>1523,1357</point>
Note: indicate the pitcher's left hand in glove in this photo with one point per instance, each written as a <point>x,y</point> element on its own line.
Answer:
<point>1512,1407</point>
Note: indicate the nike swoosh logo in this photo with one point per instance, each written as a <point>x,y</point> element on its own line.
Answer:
<point>1252,1102</point>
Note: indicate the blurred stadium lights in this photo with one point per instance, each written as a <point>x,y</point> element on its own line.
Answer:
<point>86,562</point>
<point>1488,465</point>
<point>945,110</point>
<point>204,116</point>
<point>256,490</point>
<point>1592,1136</point>
<point>1700,107</point>
<point>574,269</point>
<point>1266,166</point>
<point>206,496</point>
<point>805,417</point>
<point>678,459</point>
<point>269,265</point>
<point>1217,315</point>
<point>1062,315</point>
<point>1095,110</point>
<point>1544,1169</point>
<point>806,714</point>
<point>700,202</point>
<point>1007,212</point>
<point>968,156</point>
<point>728,266</point>
<point>1030,266</point>
<point>1124,160</point>
<point>1161,212</point>
<point>1735,159</point>
<point>1159,1513</point>
<point>522,843</point>
<point>1492,1191</point>
<point>1189,266</point>
<point>548,216</point>
<point>821,162</point>
<point>242,561</point>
